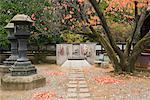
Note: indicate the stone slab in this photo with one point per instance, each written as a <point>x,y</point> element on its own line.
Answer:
<point>76,75</point>
<point>83,86</point>
<point>71,99</point>
<point>81,79</point>
<point>72,89</point>
<point>86,99</point>
<point>83,90</point>
<point>82,82</point>
<point>71,95</point>
<point>9,82</point>
<point>72,85</point>
<point>84,95</point>
<point>73,82</point>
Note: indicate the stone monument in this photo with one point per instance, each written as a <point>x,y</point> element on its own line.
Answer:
<point>76,51</point>
<point>23,74</point>
<point>14,55</point>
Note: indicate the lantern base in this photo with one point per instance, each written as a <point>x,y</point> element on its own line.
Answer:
<point>4,69</point>
<point>8,63</point>
<point>9,82</point>
<point>21,68</point>
<point>11,60</point>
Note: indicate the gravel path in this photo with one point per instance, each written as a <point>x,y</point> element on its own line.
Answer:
<point>89,83</point>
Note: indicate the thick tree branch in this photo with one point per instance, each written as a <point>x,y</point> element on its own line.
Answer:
<point>136,11</point>
<point>136,32</point>
<point>87,34</point>
<point>138,48</point>
<point>110,51</point>
<point>97,8</point>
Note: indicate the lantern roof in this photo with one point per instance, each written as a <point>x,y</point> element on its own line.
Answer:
<point>9,26</point>
<point>21,18</point>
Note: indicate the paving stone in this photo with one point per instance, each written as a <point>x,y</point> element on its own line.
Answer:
<point>71,99</point>
<point>73,79</point>
<point>82,86</point>
<point>73,72</point>
<point>77,70</point>
<point>72,89</point>
<point>73,82</point>
<point>81,74</point>
<point>72,85</point>
<point>71,95</point>
<point>83,90</point>
<point>81,79</point>
<point>86,99</point>
<point>84,95</point>
<point>76,73</point>
<point>82,82</point>
<point>76,76</point>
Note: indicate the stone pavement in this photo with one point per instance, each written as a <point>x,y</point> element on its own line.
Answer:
<point>77,86</point>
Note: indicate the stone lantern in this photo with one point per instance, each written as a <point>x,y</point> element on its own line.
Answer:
<point>23,74</point>
<point>22,67</point>
<point>14,55</point>
<point>13,41</point>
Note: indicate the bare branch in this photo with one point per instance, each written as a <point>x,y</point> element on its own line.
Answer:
<point>139,47</point>
<point>110,51</point>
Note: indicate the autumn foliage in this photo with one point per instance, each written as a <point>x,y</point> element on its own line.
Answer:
<point>81,13</point>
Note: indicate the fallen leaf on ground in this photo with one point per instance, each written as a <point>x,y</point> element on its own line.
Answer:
<point>107,80</point>
<point>49,95</point>
<point>50,73</point>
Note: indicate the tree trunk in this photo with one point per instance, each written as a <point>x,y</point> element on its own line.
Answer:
<point>100,14</point>
<point>125,61</point>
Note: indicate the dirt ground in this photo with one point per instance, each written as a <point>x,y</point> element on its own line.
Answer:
<point>102,83</point>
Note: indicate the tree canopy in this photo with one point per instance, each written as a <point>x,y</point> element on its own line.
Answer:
<point>82,15</point>
<point>41,11</point>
